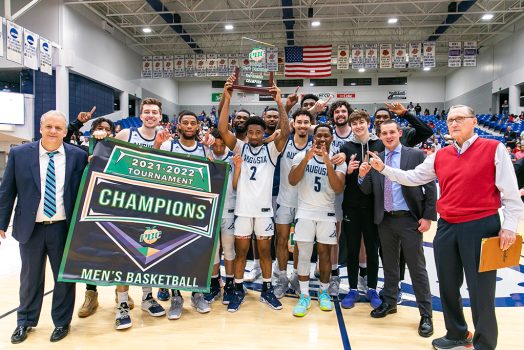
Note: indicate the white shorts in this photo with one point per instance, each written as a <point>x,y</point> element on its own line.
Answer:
<point>339,198</point>
<point>307,230</point>
<point>285,215</point>
<point>245,226</point>
<point>227,226</point>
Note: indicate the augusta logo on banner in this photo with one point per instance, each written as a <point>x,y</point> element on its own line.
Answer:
<point>145,217</point>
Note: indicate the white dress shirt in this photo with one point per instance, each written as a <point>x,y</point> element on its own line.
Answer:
<point>60,166</point>
<point>505,180</point>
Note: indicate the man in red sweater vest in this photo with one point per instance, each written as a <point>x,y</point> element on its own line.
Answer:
<point>472,174</point>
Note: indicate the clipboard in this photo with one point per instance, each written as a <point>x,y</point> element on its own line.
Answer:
<point>493,258</point>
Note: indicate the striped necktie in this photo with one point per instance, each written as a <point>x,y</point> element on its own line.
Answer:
<point>50,187</point>
<point>388,185</point>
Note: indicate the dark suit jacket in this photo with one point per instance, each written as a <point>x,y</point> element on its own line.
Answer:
<point>421,200</point>
<point>22,180</point>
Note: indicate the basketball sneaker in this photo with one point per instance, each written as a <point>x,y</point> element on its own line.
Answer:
<point>281,286</point>
<point>152,307</point>
<point>175,310</point>
<point>130,301</point>
<point>303,305</point>
<point>214,294</point>
<point>444,343</point>
<point>351,298</point>
<point>237,300</point>
<point>199,303</point>
<point>268,297</point>
<point>253,275</point>
<point>334,286</point>
<point>373,298</point>
<point>163,294</point>
<point>90,304</point>
<point>123,320</point>
<point>293,283</point>
<point>229,292</point>
<point>324,300</point>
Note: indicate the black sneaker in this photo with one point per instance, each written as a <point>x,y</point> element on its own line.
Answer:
<point>214,293</point>
<point>444,343</point>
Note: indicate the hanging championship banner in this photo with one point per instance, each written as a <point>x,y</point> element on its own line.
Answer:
<point>147,67</point>
<point>30,49</point>
<point>343,57</point>
<point>399,61</point>
<point>212,65</point>
<point>201,63</point>
<point>158,67</point>
<point>454,53</point>
<point>222,64</point>
<point>470,53</point>
<point>232,62</point>
<point>357,56</point>
<point>2,22</point>
<point>14,42</point>
<point>371,61</point>
<point>385,55</point>
<point>190,65</point>
<point>179,66</point>
<point>415,52</point>
<point>168,66</point>
<point>428,56</point>
<point>246,64</point>
<point>46,56</point>
<point>272,59</point>
<point>145,217</point>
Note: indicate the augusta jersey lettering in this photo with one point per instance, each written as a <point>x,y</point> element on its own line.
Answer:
<point>136,138</point>
<point>229,201</point>
<point>288,195</point>
<point>177,147</point>
<point>338,141</point>
<point>316,198</point>
<point>256,180</point>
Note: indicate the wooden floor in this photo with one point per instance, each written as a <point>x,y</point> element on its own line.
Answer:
<point>254,326</point>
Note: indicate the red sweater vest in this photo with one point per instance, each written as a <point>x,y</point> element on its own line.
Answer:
<point>467,182</point>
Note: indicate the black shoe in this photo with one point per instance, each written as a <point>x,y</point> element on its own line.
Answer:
<point>383,310</point>
<point>59,333</point>
<point>443,343</point>
<point>425,327</point>
<point>20,334</point>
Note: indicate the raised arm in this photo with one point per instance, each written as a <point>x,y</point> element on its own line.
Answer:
<point>281,139</point>
<point>420,132</point>
<point>336,179</point>
<point>421,175</point>
<point>226,135</point>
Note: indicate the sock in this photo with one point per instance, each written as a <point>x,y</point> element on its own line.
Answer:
<point>91,287</point>
<point>295,271</point>
<point>266,284</point>
<point>335,271</point>
<point>282,272</point>
<point>239,285</point>
<point>256,263</point>
<point>214,281</point>
<point>363,270</point>
<point>229,280</point>
<point>175,293</point>
<point>122,297</point>
<point>147,293</point>
<point>324,286</point>
<point>304,287</point>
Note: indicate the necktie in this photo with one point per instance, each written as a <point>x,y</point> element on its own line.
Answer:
<point>50,187</point>
<point>388,188</point>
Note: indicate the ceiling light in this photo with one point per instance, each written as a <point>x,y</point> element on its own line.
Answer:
<point>147,30</point>
<point>392,20</point>
<point>315,23</point>
<point>311,84</point>
<point>229,26</point>
<point>427,69</point>
<point>361,70</point>
<point>487,16</point>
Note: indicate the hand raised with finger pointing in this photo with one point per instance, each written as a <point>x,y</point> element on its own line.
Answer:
<point>376,162</point>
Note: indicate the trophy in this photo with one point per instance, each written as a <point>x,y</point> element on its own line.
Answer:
<point>257,63</point>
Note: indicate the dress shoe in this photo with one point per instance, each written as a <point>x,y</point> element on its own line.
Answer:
<point>425,327</point>
<point>59,333</point>
<point>20,334</point>
<point>383,310</point>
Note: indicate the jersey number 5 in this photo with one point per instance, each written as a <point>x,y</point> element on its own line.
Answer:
<point>317,184</point>
<point>254,171</point>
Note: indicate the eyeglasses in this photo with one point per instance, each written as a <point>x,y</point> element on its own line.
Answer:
<point>459,120</point>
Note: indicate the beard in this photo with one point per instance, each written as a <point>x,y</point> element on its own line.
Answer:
<point>240,128</point>
<point>337,123</point>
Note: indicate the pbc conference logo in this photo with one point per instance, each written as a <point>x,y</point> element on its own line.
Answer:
<point>150,236</point>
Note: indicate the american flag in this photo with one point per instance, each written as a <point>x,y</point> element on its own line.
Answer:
<point>308,61</point>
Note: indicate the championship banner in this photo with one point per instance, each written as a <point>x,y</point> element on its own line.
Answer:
<point>212,65</point>
<point>222,65</point>
<point>343,57</point>
<point>201,63</point>
<point>232,62</point>
<point>357,56</point>
<point>190,65</point>
<point>371,60</point>
<point>147,67</point>
<point>246,63</point>
<point>470,54</point>
<point>454,53</point>
<point>399,61</point>
<point>145,217</point>
<point>14,42</point>
<point>385,55</point>
<point>180,69</point>
<point>168,66</point>
<point>272,59</point>
<point>2,22</point>
<point>30,49</point>
<point>428,56</point>
<point>415,50</point>
<point>158,67</point>
<point>46,56</point>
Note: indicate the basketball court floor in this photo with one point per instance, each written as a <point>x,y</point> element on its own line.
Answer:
<point>255,326</point>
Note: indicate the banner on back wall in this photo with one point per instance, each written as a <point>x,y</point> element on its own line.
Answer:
<point>190,65</point>
<point>371,60</point>
<point>158,67</point>
<point>30,49</point>
<point>399,61</point>
<point>385,55</point>
<point>357,56</point>
<point>145,217</point>
<point>454,54</point>
<point>168,66</point>
<point>428,55</point>
<point>179,66</point>
<point>343,57</point>
<point>415,52</point>
<point>212,65</point>
<point>147,67</point>
<point>470,53</point>
<point>222,65</point>
<point>46,56</point>
<point>14,42</point>
<point>272,59</point>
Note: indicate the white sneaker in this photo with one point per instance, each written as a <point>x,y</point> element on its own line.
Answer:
<point>199,303</point>
<point>253,275</point>
<point>175,310</point>
<point>294,284</point>
<point>334,286</point>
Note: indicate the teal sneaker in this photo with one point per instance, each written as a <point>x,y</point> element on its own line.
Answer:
<point>324,300</point>
<point>303,305</point>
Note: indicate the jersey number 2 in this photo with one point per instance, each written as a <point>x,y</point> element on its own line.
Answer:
<point>254,171</point>
<point>317,184</point>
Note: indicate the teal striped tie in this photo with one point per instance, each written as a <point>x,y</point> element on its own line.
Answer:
<point>50,187</point>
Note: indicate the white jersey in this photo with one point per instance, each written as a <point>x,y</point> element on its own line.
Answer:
<point>136,138</point>
<point>231,194</point>
<point>287,194</point>
<point>316,197</point>
<point>175,146</point>
<point>254,187</point>
<point>338,141</point>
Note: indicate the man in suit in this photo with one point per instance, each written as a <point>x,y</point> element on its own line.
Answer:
<point>44,177</point>
<point>402,214</point>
